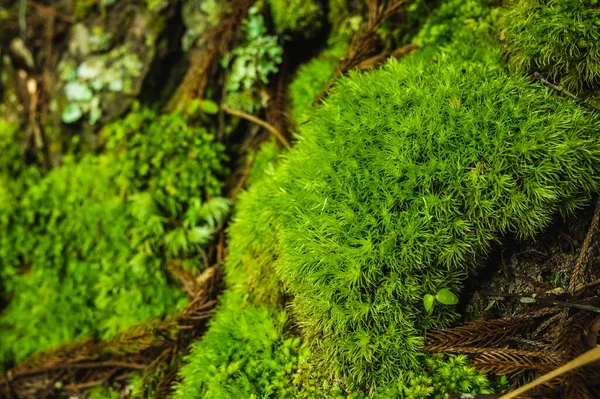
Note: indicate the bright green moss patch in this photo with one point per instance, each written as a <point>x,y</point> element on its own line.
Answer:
<point>401,182</point>
<point>559,38</point>
<point>253,232</point>
<point>83,248</point>
<point>245,354</point>
<point>251,350</point>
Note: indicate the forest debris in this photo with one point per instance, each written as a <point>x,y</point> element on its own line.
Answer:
<point>589,357</point>
<point>583,254</point>
<point>591,338</point>
<point>533,300</point>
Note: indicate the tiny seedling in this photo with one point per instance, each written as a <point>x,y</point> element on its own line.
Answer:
<point>444,296</point>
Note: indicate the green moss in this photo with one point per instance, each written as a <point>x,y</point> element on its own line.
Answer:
<point>252,63</point>
<point>298,17</point>
<point>83,248</point>
<point>345,16</point>
<point>250,350</point>
<point>560,39</point>
<point>253,233</point>
<point>401,182</point>
<point>82,8</point>
<point>459,26</point>
<point>245,354</point>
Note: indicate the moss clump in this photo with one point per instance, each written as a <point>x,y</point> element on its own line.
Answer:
<point>402,180</point>
<point>298,17</point>
<point>83,249</point>
<point>560,39</point>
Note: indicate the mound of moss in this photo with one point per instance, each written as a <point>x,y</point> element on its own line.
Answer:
<point>399,184</point>
<point>560,39</point>
<point>83,248</point>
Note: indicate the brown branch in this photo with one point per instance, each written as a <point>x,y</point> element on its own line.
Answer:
<point>259,122</point>
<point>244,179</point>
<point>586,286</point>
<point>583,254</point>
<point>379,59</point>
<point>278,107</point>
<point>567,93</point>
<point>545,301</point>
<point>74,366</point>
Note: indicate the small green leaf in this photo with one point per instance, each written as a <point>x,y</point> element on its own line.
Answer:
<point>428,301</point>
<point>446,297</point>
<point>209,107</point>
<point>72,113</point>
<point>78,92</point>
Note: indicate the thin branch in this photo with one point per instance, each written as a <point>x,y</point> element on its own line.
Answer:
<point>583,254</point>
<point>259,122</point>
<point>244,178</point>
<point>567,93</point>
<point>542,301</point>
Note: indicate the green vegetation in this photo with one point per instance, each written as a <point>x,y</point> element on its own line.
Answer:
<point>84,248</point>
<point>245,354</point>
<point>301,17</point>
<point>360,246</point>
<point>559,39</point>
<point>252,63</point>
<point>387,199</point>
<point>86,84</point>
<point>458,26</point>
<point>344,250</point>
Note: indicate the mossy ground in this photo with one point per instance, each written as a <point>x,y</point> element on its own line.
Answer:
<point>407,180</point>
